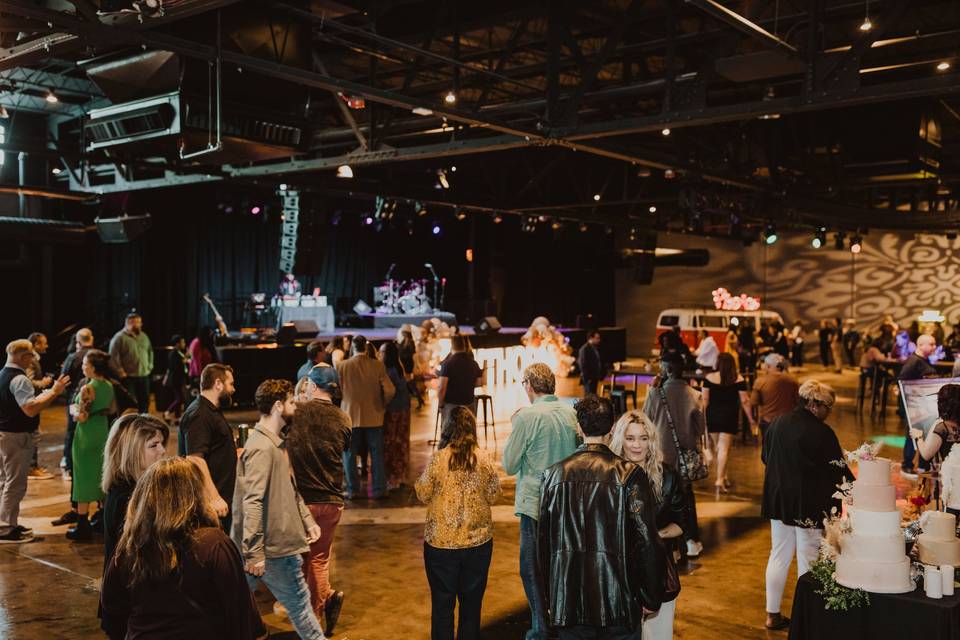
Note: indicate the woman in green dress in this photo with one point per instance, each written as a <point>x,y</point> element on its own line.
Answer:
<point>92,406</point>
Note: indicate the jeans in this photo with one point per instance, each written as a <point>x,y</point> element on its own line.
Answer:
<point>583,632</point>
<point>139,388</point>
<point>15,449</point>
<point>316,563</point>
<point>528,575</point>
<point>35,456</point>
<point>456,575</point>
<point>372,437</point>
<point>589,387</point>
<point>284,577</point>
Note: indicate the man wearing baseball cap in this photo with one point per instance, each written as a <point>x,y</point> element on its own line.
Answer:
<point>316,441</point>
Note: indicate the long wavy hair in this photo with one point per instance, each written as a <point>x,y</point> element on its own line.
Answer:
<point>652,462</point>
<point>123,454</point>
<point>727,368</point>
<point>167,507</point>
<point>462,426</point>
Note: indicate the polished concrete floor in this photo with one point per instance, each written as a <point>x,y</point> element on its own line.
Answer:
<point>49,587</point>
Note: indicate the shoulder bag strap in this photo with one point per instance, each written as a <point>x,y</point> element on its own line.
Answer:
<point>673,432</point>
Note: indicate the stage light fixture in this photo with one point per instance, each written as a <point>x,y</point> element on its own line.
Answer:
<point>442,181</point>
<point>368,220</point>
<point>633,234</point>
<point>51,97</point>
<point>344,171</point>
<point>644,172</point>
<point>255,210</point>
<point>435,230</point>
<point>596,197</point>
<point>420,209</point>
<point>497,218</point>
<point>450,98</point>
<point>652,209</point>
<point>583,227</point>
<point>866,25</point>
<point>838,239</point>
<point>943,66</point>
<point>770,235</point>
<point>283,186</point>
<point>665,131</point>
<point>453,168</point>
<point>56,171</point>
<point>421,111</point>
<point>461,214</point>
<point>819,239</point>
<point>669,174</point>
<point>557,225</point>
<point>856,243</point>
<point>228,209</point>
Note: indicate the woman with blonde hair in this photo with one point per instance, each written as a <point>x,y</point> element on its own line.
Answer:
<point>458,487</point>
<point>175,573</point>
<point>635,438</point>
<point>135,442</point>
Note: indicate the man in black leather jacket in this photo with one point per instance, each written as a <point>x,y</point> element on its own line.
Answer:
<point>600,560</point>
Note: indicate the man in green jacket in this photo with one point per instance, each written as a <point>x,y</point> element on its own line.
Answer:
<point>543,433</point>
<point>131,358</point>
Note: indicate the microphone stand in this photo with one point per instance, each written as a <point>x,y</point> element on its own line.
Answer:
<point>436,286</point>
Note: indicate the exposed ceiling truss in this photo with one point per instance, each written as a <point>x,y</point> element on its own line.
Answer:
<point>737,86</point>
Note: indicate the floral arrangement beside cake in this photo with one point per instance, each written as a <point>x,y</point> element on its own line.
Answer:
<point>872,553</point>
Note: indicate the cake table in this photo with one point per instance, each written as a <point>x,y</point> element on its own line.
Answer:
<point>888,617</point>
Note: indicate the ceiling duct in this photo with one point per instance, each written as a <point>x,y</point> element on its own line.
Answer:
<point>146,74</point>
<point>156,113</point>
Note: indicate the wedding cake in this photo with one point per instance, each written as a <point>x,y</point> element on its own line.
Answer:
<point>938,544</point>
<point>872,551</point>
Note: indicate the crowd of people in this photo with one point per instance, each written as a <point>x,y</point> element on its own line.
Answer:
<point>605,502</point>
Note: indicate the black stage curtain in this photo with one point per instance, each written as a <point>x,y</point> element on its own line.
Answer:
<point>194,247</point>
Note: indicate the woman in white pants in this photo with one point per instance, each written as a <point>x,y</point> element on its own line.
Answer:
<point>801,452</point>
<point>635,438</point>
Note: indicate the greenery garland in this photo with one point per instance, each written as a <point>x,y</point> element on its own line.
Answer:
<point>836,596</point>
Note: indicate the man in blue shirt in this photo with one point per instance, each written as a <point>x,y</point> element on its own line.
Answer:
<point>543,433</point>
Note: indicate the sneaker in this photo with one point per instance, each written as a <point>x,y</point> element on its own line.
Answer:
<point>24,530</point>
<point>694,548</point>
<point>63,462</point>
<point>331,610</point>
<point>15,537</point>
<point>39,473</point>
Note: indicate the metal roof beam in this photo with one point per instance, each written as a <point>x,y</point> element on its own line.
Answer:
<point>742,24</point>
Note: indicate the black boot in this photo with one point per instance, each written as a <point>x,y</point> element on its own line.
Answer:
<point>68,518</point>
<point>83,532</point>
<point>96,522</point>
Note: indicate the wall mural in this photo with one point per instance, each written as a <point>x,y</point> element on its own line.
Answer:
<point>896,274</point>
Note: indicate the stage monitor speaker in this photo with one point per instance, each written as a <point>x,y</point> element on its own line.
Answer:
<point>306,328</point>
<point>361,307</point>
<point>287,334</point>
<point>125,229</point>
<point>489,324</point>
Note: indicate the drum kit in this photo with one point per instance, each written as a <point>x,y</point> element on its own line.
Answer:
<point>408,297</point>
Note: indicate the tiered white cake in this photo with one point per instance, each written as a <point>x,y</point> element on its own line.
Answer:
<point>872,555</point>
<point>938,544</point>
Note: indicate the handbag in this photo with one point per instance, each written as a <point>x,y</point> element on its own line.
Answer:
<point>671,580</point>
<point>690,461</point>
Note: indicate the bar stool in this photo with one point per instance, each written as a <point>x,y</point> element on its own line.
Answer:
<point>626,393</point>
<point>483,400</point>
<point>619,399</point>
<point>436,429</point>
<point>867,375</point>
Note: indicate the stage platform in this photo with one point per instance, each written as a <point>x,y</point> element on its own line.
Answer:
<point>253,363</point>
<point>397,320</point>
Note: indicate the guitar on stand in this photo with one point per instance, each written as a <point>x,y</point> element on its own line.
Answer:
<point>221,326</point>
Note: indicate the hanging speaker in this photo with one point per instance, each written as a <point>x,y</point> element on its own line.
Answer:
<point>125,229</point>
